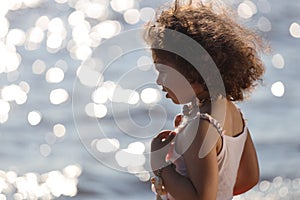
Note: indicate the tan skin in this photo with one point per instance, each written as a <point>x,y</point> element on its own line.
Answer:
<point>202,180</point>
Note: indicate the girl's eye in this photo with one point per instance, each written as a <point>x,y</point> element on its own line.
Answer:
<point>162,73</point>
<point>160,67</point>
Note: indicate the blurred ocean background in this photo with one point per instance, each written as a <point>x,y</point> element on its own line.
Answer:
<point>79,104</point>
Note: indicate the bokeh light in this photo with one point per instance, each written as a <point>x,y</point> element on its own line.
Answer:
<point>132,16</point>
<point>54,75</point>
<point>38,67</point>
<point>121,95</point>
<point>3,118</point>
<point>50,138</point>
<point>96,110</point>
<point>35,35</point>
<point>4,24</point>
<point>62,64</point>
<point>100,95</point>
<point>45,150</point>
<point>147,14</point>
<point>132,156</point>
<point>61,1</point>
<point>278,61</point>
<point>15,37</point>
<point>121,5</point>
<point>89,77</point>
<point>10,59</point>
<point>150,95</point>
<point>24,86</point>
<point>264,24</point>
<point>13,93</point>
<point>93,9</point>
<point>42,22</point>
<point>246,9</point>
<point>72,171</point>
<point>144,63</point>
<point>56,25</point>
<point>56,34</point>
<point>295,30</point>
<point>278,89</point>
<point>54,42</point>
<point>31,3</point>
<point>59,130</point>
<point>34,118</point>
<point>4,107</point>
<point>109,90</point>
<point>264,185</point>
<point>137,147</point>
<point>80,33</point>
<point>82,52</point>
<point>58,96</point>
<point>48,185</point>
<point>4,110</point>
<point>106,145</point>
<point>108,28</point>
<point>76,17</point>
<point>134,98</point>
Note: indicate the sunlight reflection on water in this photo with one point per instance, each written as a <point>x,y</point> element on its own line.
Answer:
<point>278,189</point>
<point>77,31</point>
<point>40,186</point>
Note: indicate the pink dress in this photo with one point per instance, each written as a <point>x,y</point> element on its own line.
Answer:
<point>228,158</point>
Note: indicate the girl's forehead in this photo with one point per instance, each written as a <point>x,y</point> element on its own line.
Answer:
<point>162,67</point>
<point>163,63</point>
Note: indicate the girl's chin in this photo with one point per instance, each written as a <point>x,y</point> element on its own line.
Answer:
<point>175,100</point>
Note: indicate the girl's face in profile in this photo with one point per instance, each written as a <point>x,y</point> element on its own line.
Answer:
<point>176,86</point>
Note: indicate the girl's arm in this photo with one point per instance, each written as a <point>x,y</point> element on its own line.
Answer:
<point>202,180</point>
<point>248,172</point>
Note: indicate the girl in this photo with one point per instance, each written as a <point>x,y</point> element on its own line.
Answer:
<point>210,154</point>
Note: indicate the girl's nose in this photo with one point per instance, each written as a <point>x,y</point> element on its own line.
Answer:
<point>159,80</point>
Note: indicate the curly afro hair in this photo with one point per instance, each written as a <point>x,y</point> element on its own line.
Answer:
<point>233,47</point>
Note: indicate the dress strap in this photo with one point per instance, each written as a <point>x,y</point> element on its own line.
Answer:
<point>242,115</point>
<point>213,121</point>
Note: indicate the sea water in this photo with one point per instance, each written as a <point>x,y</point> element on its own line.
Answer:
<point>79,104</point>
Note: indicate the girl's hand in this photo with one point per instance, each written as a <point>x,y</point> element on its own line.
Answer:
<point>162,139</point>
<point>160,147</point>
<point>177,120</point>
